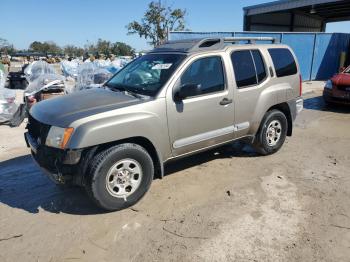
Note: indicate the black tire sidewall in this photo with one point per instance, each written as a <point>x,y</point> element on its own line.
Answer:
<point>271,116</point>
<point>106,161</point>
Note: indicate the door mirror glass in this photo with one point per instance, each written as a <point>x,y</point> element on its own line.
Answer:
<point>187,90</point>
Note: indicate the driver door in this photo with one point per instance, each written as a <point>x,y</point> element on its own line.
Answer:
<point>207,118</point>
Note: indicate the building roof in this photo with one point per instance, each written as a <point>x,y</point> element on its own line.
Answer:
<point>329,10</point>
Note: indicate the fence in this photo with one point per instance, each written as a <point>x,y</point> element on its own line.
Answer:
<point>318,53</point>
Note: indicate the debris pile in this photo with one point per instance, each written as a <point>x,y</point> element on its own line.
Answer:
<point>70,68</point>
<point>37,68</point>
<point>42,82</point>
<point>8,103</point>
<point>91,76</point>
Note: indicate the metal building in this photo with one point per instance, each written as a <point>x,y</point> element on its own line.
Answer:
<point>319,54</point>
<point>295,15</point>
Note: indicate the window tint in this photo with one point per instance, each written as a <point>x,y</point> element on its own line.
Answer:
<point>244,69</point>
<point>206,72</point>
<point>259,65</point>
<point>283,61</point>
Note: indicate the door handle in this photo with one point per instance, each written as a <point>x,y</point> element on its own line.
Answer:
<point>225,101</point>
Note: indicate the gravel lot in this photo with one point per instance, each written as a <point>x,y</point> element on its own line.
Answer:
<point>224,205</point>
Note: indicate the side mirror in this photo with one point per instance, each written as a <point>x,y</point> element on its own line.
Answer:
<point>187,90</point>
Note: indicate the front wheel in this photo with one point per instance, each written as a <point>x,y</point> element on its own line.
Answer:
<point>272,133</point>
<point>120,176</point>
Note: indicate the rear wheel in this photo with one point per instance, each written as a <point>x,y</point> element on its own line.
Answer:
<point>272,133</point>
<point>120,176</point>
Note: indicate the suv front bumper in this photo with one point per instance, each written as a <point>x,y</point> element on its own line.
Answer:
<point>62,166</point>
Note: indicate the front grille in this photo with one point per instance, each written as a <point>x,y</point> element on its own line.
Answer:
<point>344,88</point>
<point>37,130</point>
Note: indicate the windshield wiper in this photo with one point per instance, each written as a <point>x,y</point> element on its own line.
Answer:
<point>121,88</point>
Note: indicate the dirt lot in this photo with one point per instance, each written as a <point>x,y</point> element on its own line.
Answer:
<point>225,205</point>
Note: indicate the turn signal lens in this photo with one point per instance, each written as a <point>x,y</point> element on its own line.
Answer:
<point>66,136</point>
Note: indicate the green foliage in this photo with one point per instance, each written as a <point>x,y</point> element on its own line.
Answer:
<point>73,51</point>
<point>45,47</point>
<point>6,47</point>
<point>103,47</point>
<point>107,48</point>
<point>100,47</point>
<point>157,22</point>
<point>122,49</point>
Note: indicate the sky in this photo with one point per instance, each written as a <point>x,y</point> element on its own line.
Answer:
<point>81,21</point>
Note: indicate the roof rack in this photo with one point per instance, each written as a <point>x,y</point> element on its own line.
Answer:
<point>202,44</point>
<point>250,40</point>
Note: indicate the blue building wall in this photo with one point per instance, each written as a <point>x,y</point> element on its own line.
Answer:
<point>318,53</point>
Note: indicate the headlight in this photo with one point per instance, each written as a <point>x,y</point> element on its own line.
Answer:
<point>329,84</point>
<point>58,137</point>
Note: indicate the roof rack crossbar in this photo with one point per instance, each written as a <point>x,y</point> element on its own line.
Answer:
<point>209,43</point>
<point>250,40</point>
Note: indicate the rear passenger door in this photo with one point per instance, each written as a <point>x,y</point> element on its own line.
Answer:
<point>251,77</point>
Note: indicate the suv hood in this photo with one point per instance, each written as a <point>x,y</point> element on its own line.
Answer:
<point>64,110</point>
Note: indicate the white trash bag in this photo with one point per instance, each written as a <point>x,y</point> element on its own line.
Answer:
<point>70,68</point>
<point>45,82</point>
<point>8,103</point>
<point>37,68</point>
<point>91,76</point>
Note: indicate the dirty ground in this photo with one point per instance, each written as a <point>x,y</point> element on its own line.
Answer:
<point>224,205</point>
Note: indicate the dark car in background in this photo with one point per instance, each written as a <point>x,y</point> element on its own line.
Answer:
<point>337,89</point>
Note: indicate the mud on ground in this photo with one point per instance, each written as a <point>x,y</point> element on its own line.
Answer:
<point>224,205</point>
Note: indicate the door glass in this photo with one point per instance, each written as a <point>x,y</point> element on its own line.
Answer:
<point>259,65</point>
<point>244,69</point>
<point>206,72</point>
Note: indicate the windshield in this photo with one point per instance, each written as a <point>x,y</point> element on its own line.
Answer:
<point>147,74</point>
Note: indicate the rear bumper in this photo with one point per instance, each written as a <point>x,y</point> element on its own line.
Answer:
<point>295,105</point>
<point>62,166</point>
<point>299,103</point>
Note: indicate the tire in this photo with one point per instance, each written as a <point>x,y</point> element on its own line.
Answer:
<point>265,140</point>
<point>131,165</point>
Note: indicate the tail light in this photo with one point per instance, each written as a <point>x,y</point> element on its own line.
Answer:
<point>300,86</point>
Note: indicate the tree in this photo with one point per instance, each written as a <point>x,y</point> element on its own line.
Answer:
<point>45,47</point>
<point>103,47</point>
<point>157,22</point>
<point>73,51</point>
<point>6,47</point>
<point>122,49</point>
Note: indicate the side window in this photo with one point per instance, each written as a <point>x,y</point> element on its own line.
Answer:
<point>244,69</point>
<point>206,72</point>
<point>249,67</point>
<point>259,65</point>
<point>283,61</point>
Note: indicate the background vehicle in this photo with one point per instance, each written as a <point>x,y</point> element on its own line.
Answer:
<point>181,98</point>
<point>337,89</point>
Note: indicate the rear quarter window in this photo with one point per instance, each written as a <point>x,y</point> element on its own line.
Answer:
<point>283,62</point>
